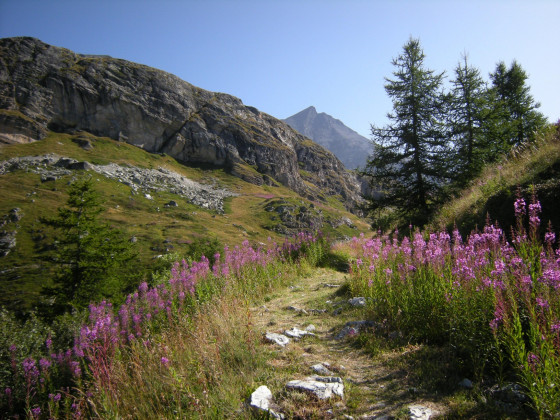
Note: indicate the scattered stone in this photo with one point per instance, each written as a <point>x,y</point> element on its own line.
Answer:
<point>171,203</point>
<point>310,328</point>
<point>261,399</point>
<point>419,412</point>
<point>466,383</point>
<point>318,311</point>
<point>297,333</point>
<point>148,196</point>
<point>330,285</point>
<point>134,239</point>
<point>357,301</point>
<point>353,328</point>
<point>279,339</point>
<point>7,242</point>
<point>51,167</point>
<point>298,310</point>
<point>321,369</point>
<point>15,214</point>
<point>322,387</point>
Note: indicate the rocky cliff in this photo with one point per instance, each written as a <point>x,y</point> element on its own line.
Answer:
<point>44,88</point>
<point>350,147</point>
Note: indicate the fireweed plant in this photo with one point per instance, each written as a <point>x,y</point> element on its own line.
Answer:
<point>73,383</point>
<point>496,302</point>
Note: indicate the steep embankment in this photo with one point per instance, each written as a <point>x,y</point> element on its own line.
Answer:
<point>159,203</point>
<point>46,88</point>
<point>530,168</point>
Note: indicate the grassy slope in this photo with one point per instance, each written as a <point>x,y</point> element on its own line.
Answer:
<point>533,167</point>
<point>245,218</point>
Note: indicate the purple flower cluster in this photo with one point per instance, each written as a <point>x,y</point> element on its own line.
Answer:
<point>499,281</point>
<point>108,329</point>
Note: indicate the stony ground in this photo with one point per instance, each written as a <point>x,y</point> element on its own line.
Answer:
<point>377,385</point>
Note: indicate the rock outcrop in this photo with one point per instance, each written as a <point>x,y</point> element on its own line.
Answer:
<point>44,88</point>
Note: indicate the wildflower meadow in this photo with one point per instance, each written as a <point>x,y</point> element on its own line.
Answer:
<point>147,357</point>
<point>494,298</point>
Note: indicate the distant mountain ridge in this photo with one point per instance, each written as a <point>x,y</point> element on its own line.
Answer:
<point>350,147</point>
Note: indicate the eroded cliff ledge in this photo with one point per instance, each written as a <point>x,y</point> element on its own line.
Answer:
<point>44,88</point>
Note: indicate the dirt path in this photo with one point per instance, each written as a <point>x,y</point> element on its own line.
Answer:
<point>374,387</point>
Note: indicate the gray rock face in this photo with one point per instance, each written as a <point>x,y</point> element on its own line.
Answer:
<point>350,147</point>
<point>49,88</point>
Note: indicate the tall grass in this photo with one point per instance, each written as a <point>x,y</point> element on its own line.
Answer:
<point>497,303</point>
<point>184,348</point>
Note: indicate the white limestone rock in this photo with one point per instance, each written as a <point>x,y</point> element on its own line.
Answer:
<point>279,339</point>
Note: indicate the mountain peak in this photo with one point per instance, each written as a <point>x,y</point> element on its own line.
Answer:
<point>350,147</point>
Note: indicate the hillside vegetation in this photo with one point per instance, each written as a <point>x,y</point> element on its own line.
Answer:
<point>531,168</point>
<point>253,213</point>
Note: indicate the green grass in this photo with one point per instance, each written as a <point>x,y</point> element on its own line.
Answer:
<point>534,166</point>
<point>25,273</point>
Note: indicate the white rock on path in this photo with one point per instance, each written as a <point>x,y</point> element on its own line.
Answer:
<point>261,399</point>
<point>279,339</point>
<point>323,387</point>
<point>419,412</point>
<point>297,333</point>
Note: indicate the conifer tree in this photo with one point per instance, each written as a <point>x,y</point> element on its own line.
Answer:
<point>514,118</point>
<point>94,261</point>
<point>408,164</point>
<point>467,115</point>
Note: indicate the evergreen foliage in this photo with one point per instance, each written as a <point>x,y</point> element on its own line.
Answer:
<point>410,154</point>
<point>467,115</point>
<point>438,142</point>
<point>95,261</point>
<point>514,111</point>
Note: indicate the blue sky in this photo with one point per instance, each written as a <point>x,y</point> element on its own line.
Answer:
<point>282,56</point>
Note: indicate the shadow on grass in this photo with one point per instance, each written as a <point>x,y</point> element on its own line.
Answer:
<point>422,372</point>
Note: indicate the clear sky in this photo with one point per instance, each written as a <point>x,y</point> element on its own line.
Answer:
<point>282,56</point>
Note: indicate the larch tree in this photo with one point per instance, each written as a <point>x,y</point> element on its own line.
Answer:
<point>467,115</point>
<point>409,164</point>
<point>515,118</point>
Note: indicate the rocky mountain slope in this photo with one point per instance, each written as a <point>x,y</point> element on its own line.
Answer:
<point>45,88</point>
<point>350,147</point>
